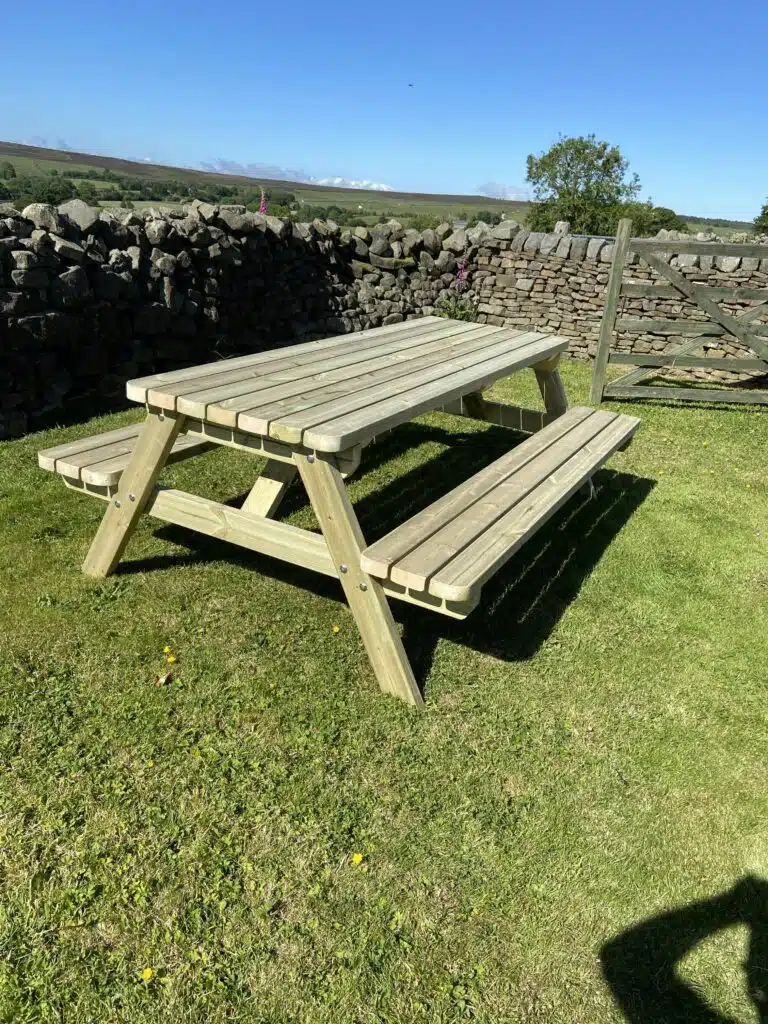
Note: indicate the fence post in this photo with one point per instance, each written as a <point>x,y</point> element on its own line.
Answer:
<point>612,292</point>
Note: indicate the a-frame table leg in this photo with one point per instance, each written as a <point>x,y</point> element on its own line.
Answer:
<point>551,386</point>
<point>366,598</point>
<point>267,493</point>
<point>153,444</point>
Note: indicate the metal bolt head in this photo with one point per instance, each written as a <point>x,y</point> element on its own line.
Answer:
<point>343,568</point>
<point>161,416</point>
<point>363,586</point>
<point>132,497</point>
<point>310,458</point>
<point>117,503</point>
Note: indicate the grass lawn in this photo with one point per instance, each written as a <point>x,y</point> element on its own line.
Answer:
<point>593,752</point>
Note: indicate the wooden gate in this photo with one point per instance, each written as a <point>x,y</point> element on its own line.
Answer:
<point>679,287</point>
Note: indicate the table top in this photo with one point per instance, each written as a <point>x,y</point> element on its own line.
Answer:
<point>337,392</point>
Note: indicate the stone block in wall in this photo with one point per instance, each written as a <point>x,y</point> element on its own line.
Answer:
<point>72,288</point>
<point>44,216</point>
<point>445,262</point>
<point>432,243</point>
<point>549,243</point>
<point>506,231</point>
<point>156,231</point>
<point>390,262</point>
<point>442,231</point>
<point>380,246</point>
<point>67,250</point>
<point>727,263</point>
<point>563,250</point>
<point>594,245</point>
<point>79,214</point>
<point>518,241</point>
<point>456,242</point>
<point>579,247</point>
<point>533,241</point>
<point>478,234</point>
<point>606,253</point>
<point>37,278</point>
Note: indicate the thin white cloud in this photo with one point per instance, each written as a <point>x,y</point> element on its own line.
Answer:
<point>221,165</point>
<point>498,190</point>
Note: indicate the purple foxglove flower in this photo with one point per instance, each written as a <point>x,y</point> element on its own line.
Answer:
<point>461,277</point>
<point>263,204</point>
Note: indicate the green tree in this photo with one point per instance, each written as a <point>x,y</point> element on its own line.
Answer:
<point>7,170</point>
<point>761,220</point>
<point>88,193</point>
<point>582,181</point>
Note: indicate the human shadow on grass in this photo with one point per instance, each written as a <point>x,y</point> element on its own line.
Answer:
<point>524,600</point>
<point>640,963</point>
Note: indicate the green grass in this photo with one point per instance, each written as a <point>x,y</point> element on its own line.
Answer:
<point>593,750</point>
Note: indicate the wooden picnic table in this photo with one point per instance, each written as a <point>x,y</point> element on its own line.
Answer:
<point>311,409</point>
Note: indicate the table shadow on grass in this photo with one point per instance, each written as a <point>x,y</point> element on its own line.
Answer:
<point>523,602</point>
<point>639,965</point>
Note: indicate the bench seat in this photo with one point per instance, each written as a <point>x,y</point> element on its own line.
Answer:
<point>99,460</point>
<point>450,549</point>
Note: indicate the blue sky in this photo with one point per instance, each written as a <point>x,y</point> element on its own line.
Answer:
<point>680,87</point>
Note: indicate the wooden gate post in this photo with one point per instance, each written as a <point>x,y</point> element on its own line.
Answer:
<point>612,292</point>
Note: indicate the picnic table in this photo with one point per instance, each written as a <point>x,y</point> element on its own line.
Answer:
<point>311,409</point>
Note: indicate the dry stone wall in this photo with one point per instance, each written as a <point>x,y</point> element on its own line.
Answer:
<point>558,283</point>
<point>89,298</point>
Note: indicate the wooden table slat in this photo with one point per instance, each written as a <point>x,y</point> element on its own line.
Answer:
<point>249,392</point>
<point>312,405</point>
<point>343,431</point>
<point>138,387</point>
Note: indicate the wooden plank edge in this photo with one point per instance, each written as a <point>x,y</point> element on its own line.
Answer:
<point>471,591</point>
<point>332,443</point>
<point>670,359</point>
<point>744,396</point>
<point>657,246</point>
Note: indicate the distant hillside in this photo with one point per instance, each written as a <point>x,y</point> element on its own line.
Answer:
<point>372,204</point>
<point>29,156</point>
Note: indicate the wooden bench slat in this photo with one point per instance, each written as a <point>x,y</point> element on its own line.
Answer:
<point>340,432</point>
<point>425,561</point>
<point>381,556</point>
<point>138,388</point>
<point>291,415</point>
<point>451,548</point>
<point>222,405</point>
<point>101,458</point>
<point>478,562</point>
<point>48,457</point>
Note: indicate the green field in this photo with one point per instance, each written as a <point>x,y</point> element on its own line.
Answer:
<point>266,838</point>
<point>403,205</point>
<point>30,160</point>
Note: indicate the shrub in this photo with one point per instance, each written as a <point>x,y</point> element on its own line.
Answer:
<point>456,307</point>
<point>422,221</point>
<point>487,216</point>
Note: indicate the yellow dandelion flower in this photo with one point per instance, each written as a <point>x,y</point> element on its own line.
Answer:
<point>356,859</point>
<point>150,764</point>
<point>166,649</point>
<point>147,974</point>
<point>335,629</point>
<point>171,659</point>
